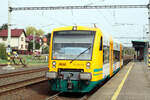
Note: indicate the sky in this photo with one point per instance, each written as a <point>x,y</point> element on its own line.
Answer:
<point>117,22</point>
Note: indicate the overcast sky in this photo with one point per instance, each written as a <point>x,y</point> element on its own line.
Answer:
<point>119,23</point>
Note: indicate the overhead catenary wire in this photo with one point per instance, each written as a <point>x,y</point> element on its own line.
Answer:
<point>79,7</point>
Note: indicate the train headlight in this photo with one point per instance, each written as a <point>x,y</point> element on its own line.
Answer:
<point>88,65</point>
<point>51,75</point>
<point>85,76</point>
<point>54,64</point>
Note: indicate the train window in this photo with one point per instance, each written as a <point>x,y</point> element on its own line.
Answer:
<point>68,45</point>
<point>116,56</point>
<point>101,43</point>
<point>106,54</point>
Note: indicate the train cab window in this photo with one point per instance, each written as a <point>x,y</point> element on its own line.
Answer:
<point>116,55</point>
<point>101,44</point>
<point>105,54</point>
<point>69,45</point>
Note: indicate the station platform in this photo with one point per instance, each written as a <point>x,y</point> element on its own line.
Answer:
<point>132,82</point>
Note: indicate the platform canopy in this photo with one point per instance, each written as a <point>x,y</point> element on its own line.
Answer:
<point>139,44</point>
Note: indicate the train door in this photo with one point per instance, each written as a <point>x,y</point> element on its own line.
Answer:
<point>111,58</point>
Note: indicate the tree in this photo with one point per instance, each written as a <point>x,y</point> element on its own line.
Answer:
<point>45,50</point>
<point>30,30</point>
<point>39,32</point>
<point>48,36</point>
<point>4,26</point>
<point>30,45</point>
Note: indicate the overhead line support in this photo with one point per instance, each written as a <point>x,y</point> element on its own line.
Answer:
<point>79,7</point>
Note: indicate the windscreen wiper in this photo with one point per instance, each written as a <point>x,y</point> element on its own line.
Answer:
<point>80,54</point>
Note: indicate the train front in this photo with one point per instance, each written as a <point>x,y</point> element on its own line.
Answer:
<point>70,60</point>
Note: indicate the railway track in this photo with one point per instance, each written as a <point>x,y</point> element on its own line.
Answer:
<point>14,80</point>
<point>1,65</point>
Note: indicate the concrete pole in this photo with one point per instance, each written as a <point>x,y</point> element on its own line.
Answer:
<point>149,19</point>
<point>9,24</point>
<point>149,35</point>
<point>9,40</point>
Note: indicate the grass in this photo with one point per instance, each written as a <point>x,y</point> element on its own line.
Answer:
<point>30,60</point>
<point>3,61</point>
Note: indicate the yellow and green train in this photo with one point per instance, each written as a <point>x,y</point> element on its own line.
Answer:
<point>81,57</point>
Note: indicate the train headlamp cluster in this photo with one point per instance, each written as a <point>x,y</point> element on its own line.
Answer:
<point>54,64</point>
<point>88,64</point>
<point>85,76</point>
<point>74,28</point>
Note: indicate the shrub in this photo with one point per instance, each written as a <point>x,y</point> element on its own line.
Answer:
<point>3,54</point>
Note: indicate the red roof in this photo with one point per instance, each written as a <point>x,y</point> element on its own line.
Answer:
<point>14,32</point>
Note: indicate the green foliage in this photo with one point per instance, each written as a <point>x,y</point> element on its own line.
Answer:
<point>39,32</point>
<point>3,54</point>
<point>37,45</point>
<point>48,36</point>
<point>45,50</point>
<point>4,26</point>
<point>30,31</point>
<point>128,51</point>
<point>30,45</point>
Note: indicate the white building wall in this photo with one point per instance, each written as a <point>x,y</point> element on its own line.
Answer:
<point>16,42</point>
<point>1,41</point>
<point>13,42</point>
<point>22,42</point>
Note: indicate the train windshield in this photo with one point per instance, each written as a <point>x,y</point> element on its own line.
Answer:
<point>67,45</point>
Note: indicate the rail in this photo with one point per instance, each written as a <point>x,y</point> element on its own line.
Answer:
<point>14,80</point>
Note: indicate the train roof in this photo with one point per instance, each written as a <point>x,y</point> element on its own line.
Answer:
<point>78,28</point>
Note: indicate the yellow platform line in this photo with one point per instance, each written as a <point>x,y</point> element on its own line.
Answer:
<point>116,94</point>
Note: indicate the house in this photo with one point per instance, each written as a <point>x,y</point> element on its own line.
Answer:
<point>18,39</point>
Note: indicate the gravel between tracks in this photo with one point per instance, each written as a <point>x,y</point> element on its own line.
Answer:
<point>38,91</point>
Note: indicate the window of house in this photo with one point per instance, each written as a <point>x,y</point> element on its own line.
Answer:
<point>26,46</point>
<point>21,38</point>
<point>21,45</point>
<point>4,38</point>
